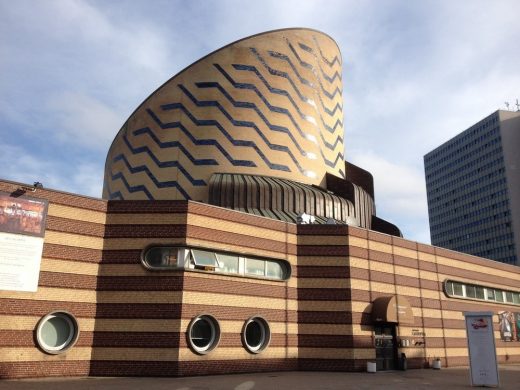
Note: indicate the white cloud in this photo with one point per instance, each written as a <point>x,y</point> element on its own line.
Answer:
<point>26,166</point>
<point>400,193</point>
<point>82,120</point>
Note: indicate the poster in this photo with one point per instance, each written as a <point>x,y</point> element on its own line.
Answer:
<point>508,325</point>
<point>482,351</point>
<point>22,227</point>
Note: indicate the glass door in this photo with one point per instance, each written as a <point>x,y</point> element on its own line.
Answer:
<point>386,347</point>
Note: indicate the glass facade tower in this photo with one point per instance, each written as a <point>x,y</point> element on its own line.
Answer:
<point>472,184</point>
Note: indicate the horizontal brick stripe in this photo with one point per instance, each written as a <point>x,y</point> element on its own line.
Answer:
<point>213,367</point>
<point>323,272</point>
<point>63,252</point>
<point>145,231</point>
<point>333,364</point>
<point>154,282</point>
<point>382,257</point>
<point>74,226</point>
<point>89,310</point>
<point>212,235</point>
<point>147,207</point>
<point>246,287</point>
<point>329,250</point>
<point>322,230</point>
<point>335,341</point>
<point>237,313</point>
<point>323,294</point>
<point>38,369</point>
<point>474,260</point>
<point>173,339</point>
<point>405,261</point>
<point>76,201</point>
<point>41,308</point>
<point>236,216</point>
<point>121,257</point>
<point>379,237</point>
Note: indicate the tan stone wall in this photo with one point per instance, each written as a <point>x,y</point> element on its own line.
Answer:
<point>269,104</point>
<point>133,321</point>
<point>72,252</point>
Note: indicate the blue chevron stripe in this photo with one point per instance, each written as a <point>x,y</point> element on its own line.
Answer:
<point>253,106</point>
<point>284,92</point>
<point>305,64</point>
<point>163,164</point>
<point>281,56</point>
<point>212,122</point>
<point>165,145</point>
<point>145,169</point>
<point>198,142</point>
<point>131,189</point>
<point>250,105</point>
<point>329,63</point>
<point>308,49</point>
<point>274,90</point>
<point>330,163</point>
<point>329,145</point>
<point>279,73</point>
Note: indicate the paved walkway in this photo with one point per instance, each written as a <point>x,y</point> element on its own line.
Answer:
<point>448,378</point>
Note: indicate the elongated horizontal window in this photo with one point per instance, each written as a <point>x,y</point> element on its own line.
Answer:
<point>457,289</point>
<point>170,258</point>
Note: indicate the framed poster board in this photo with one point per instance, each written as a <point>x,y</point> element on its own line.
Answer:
<point>482,351</point>
<point>22,228</point>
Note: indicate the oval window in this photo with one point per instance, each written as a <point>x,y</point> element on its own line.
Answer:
<point>203,334</point>
<point>57,332</point>
<point>256,334</point>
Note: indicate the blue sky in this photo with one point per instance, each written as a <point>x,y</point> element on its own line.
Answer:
<point>415,74</point>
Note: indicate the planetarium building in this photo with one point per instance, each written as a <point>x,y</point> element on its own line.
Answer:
<point>233,236</point>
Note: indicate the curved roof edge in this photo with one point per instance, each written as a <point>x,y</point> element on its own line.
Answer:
<point>204,57</point>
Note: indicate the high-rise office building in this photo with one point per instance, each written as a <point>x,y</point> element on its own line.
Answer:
<point>473,188</point>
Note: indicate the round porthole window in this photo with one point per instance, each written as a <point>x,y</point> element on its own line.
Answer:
<point>57,332</point>
<point>203,333</point>
<point>256,334</point>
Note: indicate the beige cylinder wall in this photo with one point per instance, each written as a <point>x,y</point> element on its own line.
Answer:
<point>268,105</point>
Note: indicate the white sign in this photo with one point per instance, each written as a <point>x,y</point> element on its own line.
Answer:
<point>482,352</point>
<point>20,258</point>
<point>22,227</point>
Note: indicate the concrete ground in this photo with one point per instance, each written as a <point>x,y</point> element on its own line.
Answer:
<point>447,378</point>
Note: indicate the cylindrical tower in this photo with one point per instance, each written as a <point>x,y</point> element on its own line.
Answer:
<point>270,105</point>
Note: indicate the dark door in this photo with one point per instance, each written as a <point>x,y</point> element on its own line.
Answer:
<point>386,347</point>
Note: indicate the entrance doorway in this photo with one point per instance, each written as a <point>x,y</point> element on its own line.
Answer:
<point>386,347</point>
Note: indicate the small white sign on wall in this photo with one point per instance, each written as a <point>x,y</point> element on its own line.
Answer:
<point>482,351</point>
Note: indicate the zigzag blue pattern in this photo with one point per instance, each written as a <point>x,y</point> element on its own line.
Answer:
<point>272,108</point>
<point>162,164</point>
<point>330,163</point>
<point>303,63</point>
<point>283,92</point>
<point>199,142</point>
<point>145,169</point>
<point>212,122</point>
<point>311,51</point>
<point>165,145</point>
<point>305,99</point>
<point>338,106</point>
<point>253,106</point>
<point>329,63</point>
<point>131,189</point>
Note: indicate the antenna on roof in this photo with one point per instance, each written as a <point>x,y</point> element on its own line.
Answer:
<point>507,105</point>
